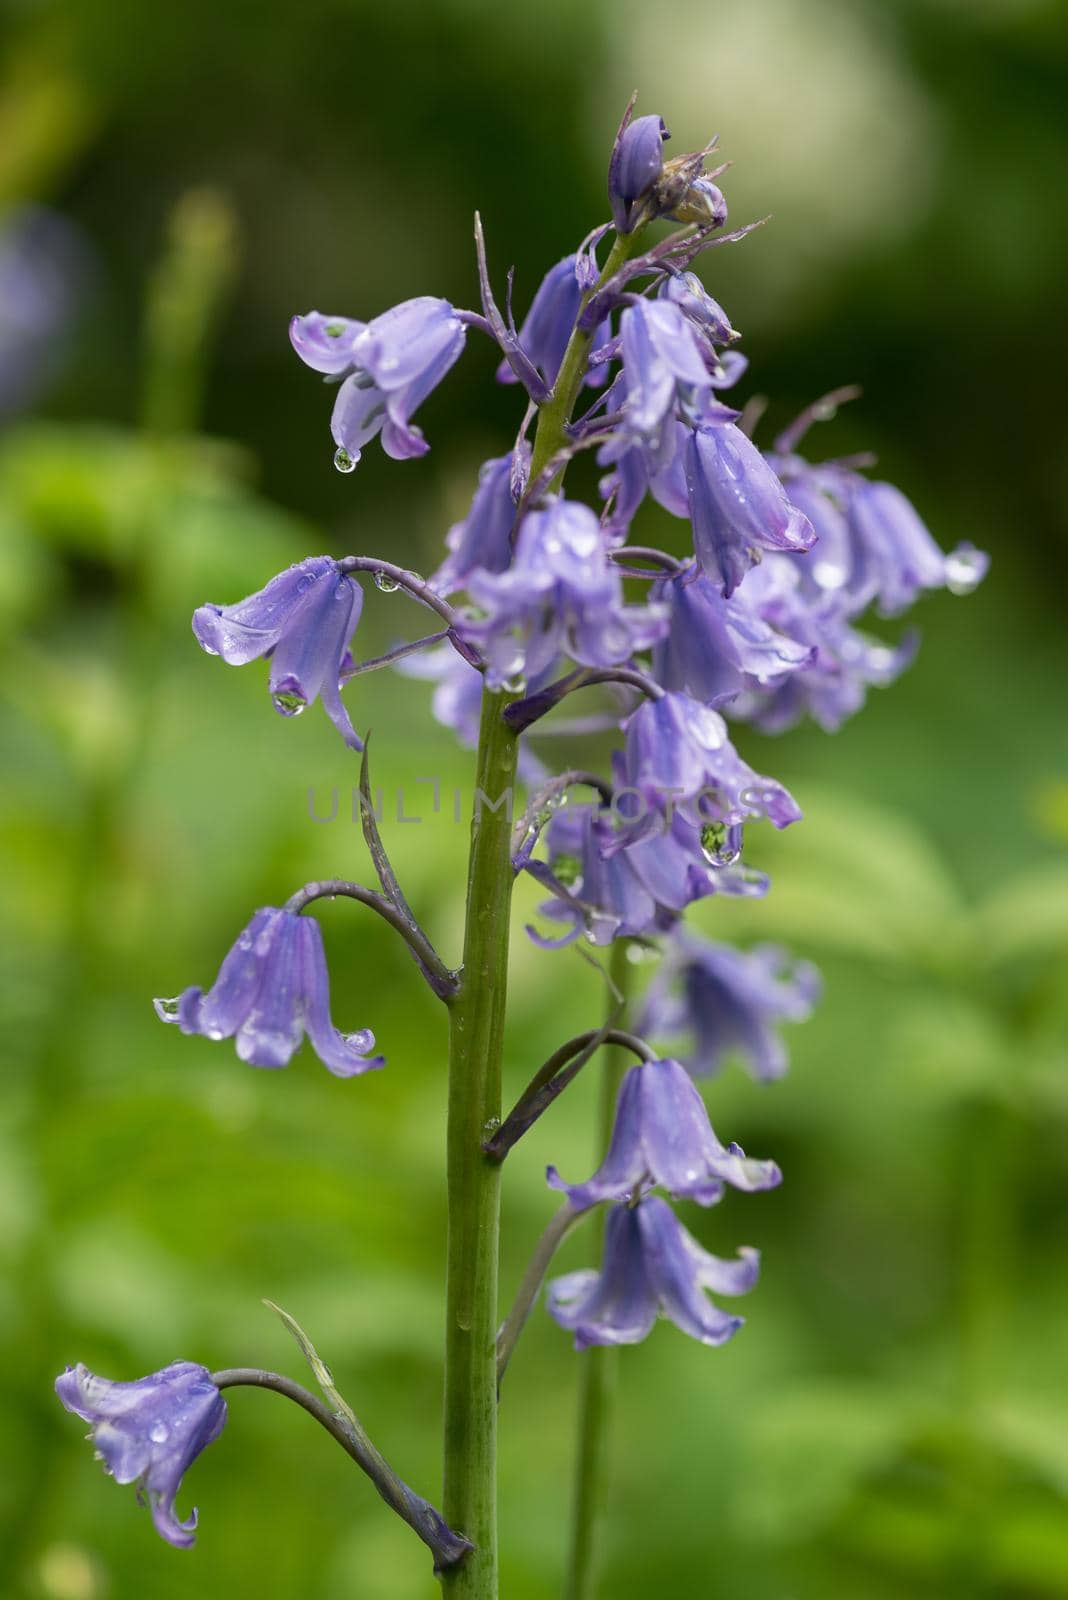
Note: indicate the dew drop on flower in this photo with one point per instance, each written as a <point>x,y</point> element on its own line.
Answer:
<point>515,685</point>
<point>343,461</point>
<point>168,1008</point>
<point>159,1433</point>
<point>721,846</point>
<point>288,703</point>
<point>385,583</point>
<point>964,569</point>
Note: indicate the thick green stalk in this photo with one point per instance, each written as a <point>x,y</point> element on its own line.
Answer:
<point>597,1367</point>
<point>475,1048</point>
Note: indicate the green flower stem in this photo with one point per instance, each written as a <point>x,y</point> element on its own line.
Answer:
<point>476,1039</point>
<point>475,1048</point>
<point>555,414</point>
<point>597,1367</point>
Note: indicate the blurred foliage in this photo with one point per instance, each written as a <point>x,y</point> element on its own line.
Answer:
<point>893,1419</point>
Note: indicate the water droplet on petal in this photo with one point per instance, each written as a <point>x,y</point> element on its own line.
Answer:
<point>385,583</point>
<point>288,703</point>
<point>721,845</point>
<point>965,568</point>
<point>343,461</point>
<point>167,1008</point>
<point>600,927</point>
<point>159,1433</point>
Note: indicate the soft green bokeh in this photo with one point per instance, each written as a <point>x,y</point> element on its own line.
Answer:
<point>893,1421</point>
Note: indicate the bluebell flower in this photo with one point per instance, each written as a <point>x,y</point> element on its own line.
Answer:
<point>900,550</point>
<point>302,623</point>
<point>610,887</point>
<point>716,647</point>
<point>560,596</point>
<point>670,370</point>
<point>730,1001</point>
<point>595,892</point>
<point>662,1135</point>
<point>844,661</point>
<point>548,325</point>
<point>484,538</point>
<point>677,748</point>
<point>388,367</point>
<point>150,1432</point>
<point>873,547</point>
<point>44,263</point>
<point>273,988</point>
<point>635,165</point>
<point>738,506</point>
<point>651,1266</point>
<point>685,290</point>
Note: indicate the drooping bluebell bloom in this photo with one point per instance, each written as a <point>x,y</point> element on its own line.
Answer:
<point>636,163</point>
<point>902,552</point>
<point>483,538</point>
<point>843,661</point>
<point>150,1432</point>
<point>873,547</point>
<point>389,366</point>
<point>610,888</point>
<point>302,623</point>
<point>677,747</point>
<point>729,1001</point>
<point>273,988</point>
<point>687,859</point>
<point>717,647</point>
<point>738,506</point>
<point>594,892</point>
<point>548,325</point>
<point>662,1135</point>
<point>670,370</point>
<point>560,596</point>
<point>651,1266</point>
<point>685,290</point>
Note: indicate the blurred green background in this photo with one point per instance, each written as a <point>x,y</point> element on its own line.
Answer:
<point>894,1419</point>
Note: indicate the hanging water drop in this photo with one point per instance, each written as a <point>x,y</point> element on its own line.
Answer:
<point>288,703</point>
<point>343,461</point>
<point>516,684</point>
<point>167,1008</point>
<point>385,583</point>
<point>721,845</point>
<point>965,568</point>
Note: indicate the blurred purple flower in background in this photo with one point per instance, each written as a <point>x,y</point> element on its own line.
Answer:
<point>44,263</point>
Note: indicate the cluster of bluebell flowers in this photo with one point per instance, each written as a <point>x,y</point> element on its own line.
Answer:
<point>753,616</point>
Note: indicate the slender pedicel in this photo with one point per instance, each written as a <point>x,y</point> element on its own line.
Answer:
<point>553,1077</point>
<point>442,980</point>
<point>448,1548</point>
<point>530,1286</point>
<point>388,575</point>
<point>522,713</point>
